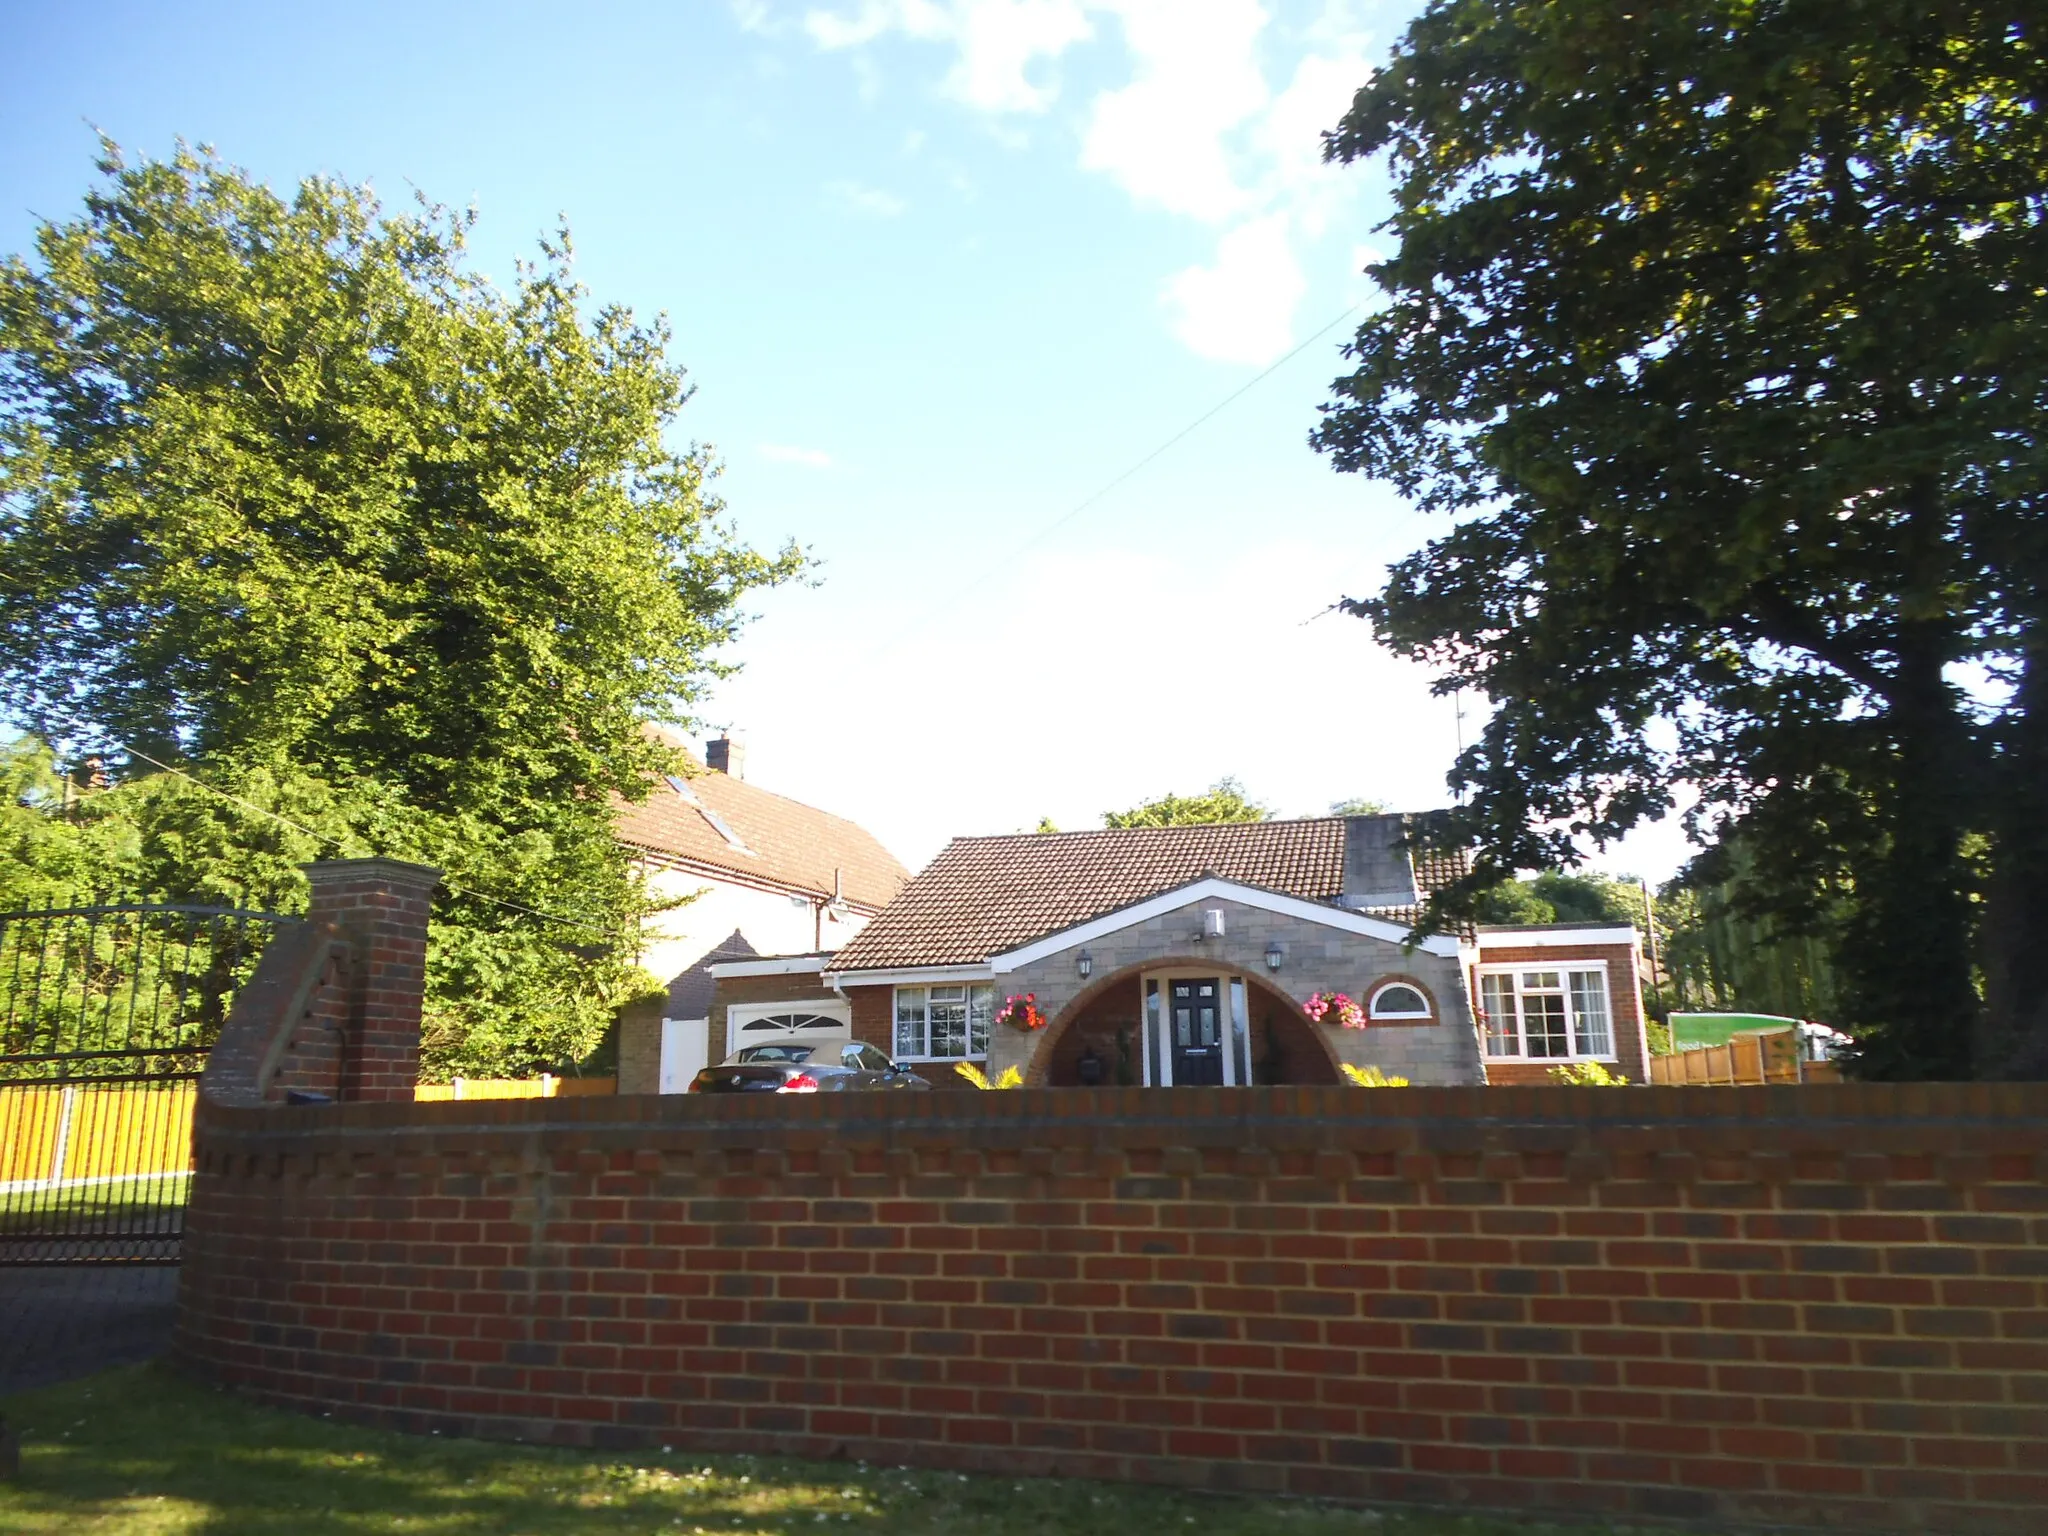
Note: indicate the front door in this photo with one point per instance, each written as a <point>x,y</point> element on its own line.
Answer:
<point>1195,1032</point>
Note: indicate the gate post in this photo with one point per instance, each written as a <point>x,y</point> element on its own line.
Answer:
<point>381,907</point>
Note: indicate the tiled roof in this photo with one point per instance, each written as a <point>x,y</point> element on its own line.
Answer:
<point>774,839</point>
<point>984,895</point>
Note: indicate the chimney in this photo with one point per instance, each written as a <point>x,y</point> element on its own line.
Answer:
<point>726,754</point>
<point>1377,869</point>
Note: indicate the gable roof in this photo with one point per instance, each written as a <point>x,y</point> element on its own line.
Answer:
<point>715,822</point>
<point>984,895</point>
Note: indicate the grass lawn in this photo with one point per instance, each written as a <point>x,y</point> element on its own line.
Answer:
<point>136,1202</point>
<point>139,1450</point>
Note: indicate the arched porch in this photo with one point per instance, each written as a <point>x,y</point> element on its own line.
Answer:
<point>1106,1023</point>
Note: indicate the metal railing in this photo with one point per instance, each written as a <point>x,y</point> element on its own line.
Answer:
<point>107,1012</point>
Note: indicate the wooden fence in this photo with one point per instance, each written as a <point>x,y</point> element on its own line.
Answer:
<point>1772,1058</point>
<point>54,1134</point>
<point>542,1087</point>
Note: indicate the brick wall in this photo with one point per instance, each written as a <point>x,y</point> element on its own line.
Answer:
<point>1823,1305</point>
<point>639,1041</point>
<point>379,907</point>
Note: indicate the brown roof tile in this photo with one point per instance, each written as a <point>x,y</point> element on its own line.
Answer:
<point>785,842</point>
<point>983,895</point>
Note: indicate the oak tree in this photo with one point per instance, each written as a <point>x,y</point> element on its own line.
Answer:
<point>1719,330</point>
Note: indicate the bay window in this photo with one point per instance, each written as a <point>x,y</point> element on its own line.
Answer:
<point>1558,1013</point>
<point>943,1023</point>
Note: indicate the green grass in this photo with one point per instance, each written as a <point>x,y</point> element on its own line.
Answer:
<point>109,1205</point>
<point>141,1452</point>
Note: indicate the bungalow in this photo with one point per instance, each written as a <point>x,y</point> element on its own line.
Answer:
<point>1206,955</point>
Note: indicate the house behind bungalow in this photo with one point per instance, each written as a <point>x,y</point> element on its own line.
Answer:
<point>1198,955</point>
<point>766,875</point>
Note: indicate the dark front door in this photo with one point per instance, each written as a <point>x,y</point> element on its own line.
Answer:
<point>1197,1033</point>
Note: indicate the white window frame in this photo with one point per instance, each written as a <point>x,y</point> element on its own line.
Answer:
<point>968,991</point>
<point>1372,1006</point>
<point>739,1015</point>
<point>1564,971</point>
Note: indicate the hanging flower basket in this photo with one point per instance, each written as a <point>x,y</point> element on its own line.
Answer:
<point>1335,1008</point>
<point>1021,1012</point>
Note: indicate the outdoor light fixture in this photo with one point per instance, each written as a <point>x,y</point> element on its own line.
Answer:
<point>1274,955</point>
<point>1084,963</point>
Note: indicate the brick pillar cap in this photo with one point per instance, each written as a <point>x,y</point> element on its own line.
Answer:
<point>391,871</point>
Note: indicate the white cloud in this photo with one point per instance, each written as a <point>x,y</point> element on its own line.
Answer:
<point>997,42</point>
<point>785,453</point>
<point>853,197</point>
<point>1162,138</point>
<point>1241,309</point>
<point>1197,129</point>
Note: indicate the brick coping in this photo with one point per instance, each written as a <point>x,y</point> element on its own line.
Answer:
<point>1666,1117</point>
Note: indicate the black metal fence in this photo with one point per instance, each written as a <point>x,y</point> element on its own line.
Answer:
<point>106,1014</point>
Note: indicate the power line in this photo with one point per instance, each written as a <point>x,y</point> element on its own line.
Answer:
<point>1010,557</point>
<point>321,837</point>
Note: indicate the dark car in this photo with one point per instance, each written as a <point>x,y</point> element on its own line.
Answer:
<point>805,1069</point>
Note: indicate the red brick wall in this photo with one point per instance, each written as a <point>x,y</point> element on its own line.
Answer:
<point>1823,1305</point>
<point>1624,996</point>
<point>380,907</point>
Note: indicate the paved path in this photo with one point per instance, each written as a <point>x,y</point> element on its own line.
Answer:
<point>58,1322</point>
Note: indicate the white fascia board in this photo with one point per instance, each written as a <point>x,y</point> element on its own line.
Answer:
<point>919,976</point>
<point>1554,938</point>
<point>1214,889</point>
<point>774,965</point>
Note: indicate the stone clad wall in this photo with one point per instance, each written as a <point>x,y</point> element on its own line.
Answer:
<point>1318,958</point>
<point>1822,1305</point>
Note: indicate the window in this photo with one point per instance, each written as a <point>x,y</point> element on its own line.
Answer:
<point>775,1053</point>
<point>790,1023</point>
<point>1398,1000</point>
<point>1547,1015</point>
<point>943,1022</point>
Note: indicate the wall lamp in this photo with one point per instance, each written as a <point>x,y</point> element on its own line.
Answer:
<point>1275,953</point>
<point>1084,963</point>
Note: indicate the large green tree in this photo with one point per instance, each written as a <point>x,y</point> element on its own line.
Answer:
<point>294,502</point>
<point>1719,329</point>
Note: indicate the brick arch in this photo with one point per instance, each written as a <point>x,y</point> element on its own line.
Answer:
<point>1295,1028</point>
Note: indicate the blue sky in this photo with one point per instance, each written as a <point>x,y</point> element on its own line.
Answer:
<point>940,272</point>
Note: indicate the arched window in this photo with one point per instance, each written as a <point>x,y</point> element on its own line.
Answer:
<point>1398,1000</point>
<point>791,1023</point>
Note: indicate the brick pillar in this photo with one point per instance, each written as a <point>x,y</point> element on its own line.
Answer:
<point>380,905</point>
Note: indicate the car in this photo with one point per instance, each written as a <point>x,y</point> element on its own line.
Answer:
<point>796,1068</point>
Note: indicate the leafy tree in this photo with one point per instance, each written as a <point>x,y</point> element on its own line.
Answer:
<point>1224,802</point>
<point>1720,955</point>
<point>1559,897</point>
<point>1358,808</point>
<point>292,501</point>
<point>1720,329</point>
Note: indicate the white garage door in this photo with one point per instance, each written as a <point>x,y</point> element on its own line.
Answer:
<point>823,1026</point>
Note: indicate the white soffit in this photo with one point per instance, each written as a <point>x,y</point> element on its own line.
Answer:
<point>1211,889</point>
<point>916,976</point>
<point>1551,938</point>
<point>774,965</point>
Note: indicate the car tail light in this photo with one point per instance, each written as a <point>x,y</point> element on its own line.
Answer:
<point>803,1082</point>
